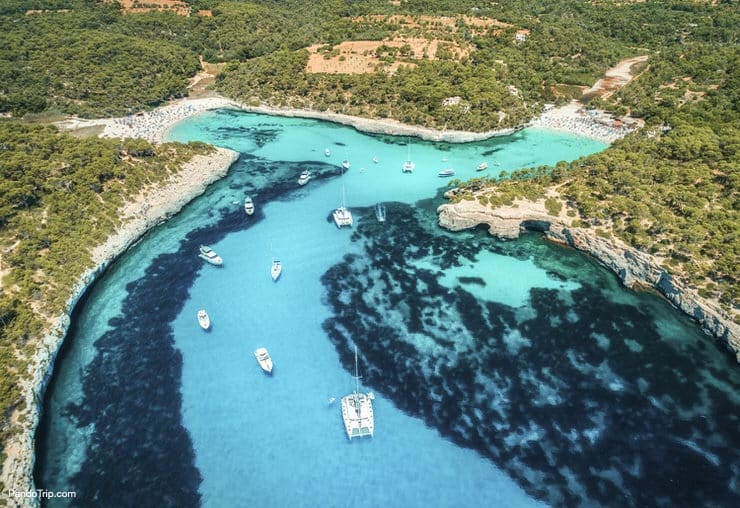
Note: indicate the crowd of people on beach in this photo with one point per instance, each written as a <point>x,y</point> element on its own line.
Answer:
<point>597,125</point>
<point>152,125</point>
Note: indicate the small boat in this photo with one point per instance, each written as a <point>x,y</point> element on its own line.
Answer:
<point>304,178</point>
<point>248,205</point>
<point>483,165</point>
<point>380,212</point>
<point>342,216</point>
<point>209,255</point>
<point>408,165</point>
<point>203,320</point>
<point>375,159</point>
<point>446,172</point>
<point>263,358</point>
<point>345,164</point>
<point>327,152</point>
<point>444,159</point>
<point>357,410</point>
<point>276,270</point>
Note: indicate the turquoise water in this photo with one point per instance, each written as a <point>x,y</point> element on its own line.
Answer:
<point>505,373</point>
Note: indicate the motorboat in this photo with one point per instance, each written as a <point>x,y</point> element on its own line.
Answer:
<point>327,152</point>
<point>446,172</point>
<point>380,212</point>
<point>203,320</point>
<point>357,410</point>
<point>375,159</point>
<point>209,255</point>
<point>263,358</point>
<point>276,270</point>
<point>304,178</point>
<point>248,205</point>
<point>345,164</point>
<point>483,165</point>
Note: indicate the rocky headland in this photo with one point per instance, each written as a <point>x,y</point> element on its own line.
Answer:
<point>635,269</point>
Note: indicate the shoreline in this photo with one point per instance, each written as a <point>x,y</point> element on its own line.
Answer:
<point>154,206</point>
<point>141,213</point>
<point>634,268</point>
<point>154,125</point>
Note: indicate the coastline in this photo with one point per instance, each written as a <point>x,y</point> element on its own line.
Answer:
<point>144,211</point>
<point>634,268</point>
<point>156,205</point>
<point>153,125</point>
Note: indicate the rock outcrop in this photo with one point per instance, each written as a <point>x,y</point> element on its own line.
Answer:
<point>634,268</point>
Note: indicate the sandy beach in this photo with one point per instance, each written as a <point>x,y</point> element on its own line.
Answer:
<point>575,119</point>
<point>153,125</point>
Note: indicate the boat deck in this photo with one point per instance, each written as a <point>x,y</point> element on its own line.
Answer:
<point>357,413</point>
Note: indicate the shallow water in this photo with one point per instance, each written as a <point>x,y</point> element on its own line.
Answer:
<point>505,373</point>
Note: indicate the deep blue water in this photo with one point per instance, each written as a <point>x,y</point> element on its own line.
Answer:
<point>506,373</point>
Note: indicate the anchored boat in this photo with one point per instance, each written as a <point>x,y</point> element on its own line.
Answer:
<point>357,410</point>
<point>209,255</point>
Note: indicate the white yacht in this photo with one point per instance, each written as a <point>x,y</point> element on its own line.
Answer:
<point>357,410</point>
<point>203,320</point>
<point>248,205</point>
<point>342,216</point>
<point>327,152</point>
<point>380,212</point>
<point>446,172</point>
<point>263,358</point>
<point>209,255</point>
<point>276,270</point>
<point>375,159</point>
<point>345,164</point>
<point>304,178</point>
<point>483,165</point>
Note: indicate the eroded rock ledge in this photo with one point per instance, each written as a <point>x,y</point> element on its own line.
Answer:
<point>633,267</point>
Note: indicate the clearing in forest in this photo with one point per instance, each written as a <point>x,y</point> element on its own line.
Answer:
<point>415,38</point>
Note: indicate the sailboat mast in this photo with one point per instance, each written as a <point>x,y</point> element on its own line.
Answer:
<point>357,375</point>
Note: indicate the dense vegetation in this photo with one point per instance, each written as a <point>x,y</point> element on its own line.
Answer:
<point>59,197</point>
<point>671,189</point>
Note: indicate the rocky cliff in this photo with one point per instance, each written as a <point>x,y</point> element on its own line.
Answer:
<point>634,268</point>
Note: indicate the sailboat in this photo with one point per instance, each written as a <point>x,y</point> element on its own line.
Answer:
<point>408,165</point>
<point>380,212</point>
<point>342,216</point>
<point>357,410</point>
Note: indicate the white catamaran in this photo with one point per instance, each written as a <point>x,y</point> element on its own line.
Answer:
<point>357,410</point>
<point>342,216</point>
